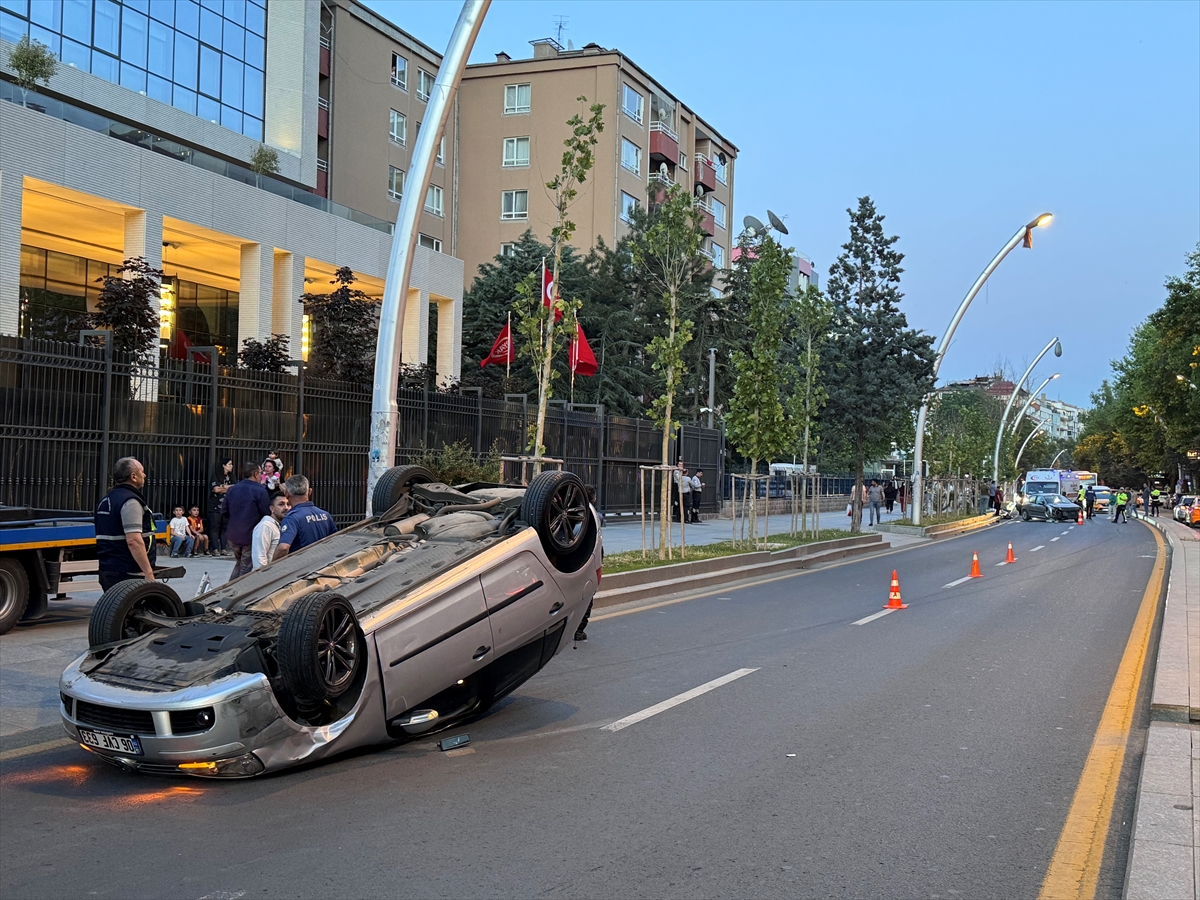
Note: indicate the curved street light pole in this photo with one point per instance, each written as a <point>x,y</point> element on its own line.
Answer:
<point>1041,425</point>
<point>1029,402</point>
<point>385,415</point>
<point>1024,235</point>
<point>1016,390</point>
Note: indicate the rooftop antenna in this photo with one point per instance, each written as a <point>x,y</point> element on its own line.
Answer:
<point>560,25</point>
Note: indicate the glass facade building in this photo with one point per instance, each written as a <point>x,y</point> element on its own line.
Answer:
<point>205,57</point>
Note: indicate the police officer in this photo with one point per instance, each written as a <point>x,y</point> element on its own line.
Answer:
<point>1089,498</point>
<point>305,522</point>
<point>1155,501</point>
<point>1122,502</point>
<point>125,527</point>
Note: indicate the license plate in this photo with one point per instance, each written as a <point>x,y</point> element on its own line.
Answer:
<point>106,740</point>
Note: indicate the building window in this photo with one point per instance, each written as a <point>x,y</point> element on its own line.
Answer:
<point>395,183</point>
<point>431,242</point>
<point>516,152</point>
<point>718,211</point>
<point>682,161</point>
<point>398,131</point>
<point>631,156</point>
<point>400,72</point>
<point>514,205</point>
<point>424,85</point>
<point>517,98</point>
<point>718,255</point>
<point>722,169</point>
<point>628,205</point>
<point>433,200</point>
<point>632,103</point>
<point>508,249</point>
<point>440,159</point>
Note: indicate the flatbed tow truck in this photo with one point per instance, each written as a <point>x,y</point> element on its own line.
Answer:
<point>44,555</point>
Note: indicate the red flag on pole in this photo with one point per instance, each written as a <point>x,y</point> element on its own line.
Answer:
<point>502,350</point>
<point>548,291</point>
<point>582,359</point>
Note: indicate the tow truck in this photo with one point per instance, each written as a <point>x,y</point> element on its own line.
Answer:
<point>46,554</point>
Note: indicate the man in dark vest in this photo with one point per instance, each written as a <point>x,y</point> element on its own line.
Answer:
<point>125,527</point>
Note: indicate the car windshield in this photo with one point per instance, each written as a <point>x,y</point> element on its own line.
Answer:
<point>1041,487</point>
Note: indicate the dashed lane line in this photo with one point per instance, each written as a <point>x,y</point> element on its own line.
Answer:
<point>1003,562</point>
<point>873,617</point>
<point>1052,540</point>
<point>960,581</point>
<point>1037,548</point>
<point>654,710</point>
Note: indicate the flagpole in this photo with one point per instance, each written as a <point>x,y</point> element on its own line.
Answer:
<point>509,355</point>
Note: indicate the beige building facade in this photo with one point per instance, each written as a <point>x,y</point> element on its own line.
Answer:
<point>512,116</point>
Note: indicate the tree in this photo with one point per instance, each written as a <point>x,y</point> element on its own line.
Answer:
<point>271,355</point>
<point>877,368</point>
<point>344,325</point>
<point>33,63</point>
<point>961,435</point>
<point>128,306</point>
<point>577,160</point>
<point>756,424</point>
<point>264,161</point>
<point>810,317</point>
<point>665,247</point>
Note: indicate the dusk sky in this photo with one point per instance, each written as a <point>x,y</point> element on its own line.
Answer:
<point>962,121</point>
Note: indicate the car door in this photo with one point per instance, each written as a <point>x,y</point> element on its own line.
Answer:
<point>446,638</point>
<point>522,600</point>
<point>1037,506</point>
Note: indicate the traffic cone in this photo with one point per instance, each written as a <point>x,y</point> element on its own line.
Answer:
<point>894,601</point>
<point>975,573</point>
<point>1010,558</point>
<point>1079,520</point>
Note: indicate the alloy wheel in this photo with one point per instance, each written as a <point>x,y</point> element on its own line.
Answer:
<point>337,647</point>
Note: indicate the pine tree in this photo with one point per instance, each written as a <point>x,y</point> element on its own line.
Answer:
<point>877,369</point>
<point>810,315</point>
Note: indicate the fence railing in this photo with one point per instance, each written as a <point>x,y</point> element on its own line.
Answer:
<point>67,413</point>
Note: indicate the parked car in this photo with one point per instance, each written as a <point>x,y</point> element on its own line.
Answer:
<point>1051,507</point>
<point>1183,509</point>
<point>409,622</point>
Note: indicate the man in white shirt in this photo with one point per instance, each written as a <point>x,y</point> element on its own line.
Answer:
<point>266,533</point>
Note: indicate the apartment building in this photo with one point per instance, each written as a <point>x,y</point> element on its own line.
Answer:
<point>141,144</point>
<point>512,116</point>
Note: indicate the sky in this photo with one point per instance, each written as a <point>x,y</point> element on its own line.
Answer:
<point>962,121</point>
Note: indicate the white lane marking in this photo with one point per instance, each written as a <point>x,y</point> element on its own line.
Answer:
<point>676,700</point>
<point>1002,563</point>
<point>1039,547</point>
<point>1068,531</point>
<point>873,617</point>
<point>1052,540</point>
<point>960,581</point>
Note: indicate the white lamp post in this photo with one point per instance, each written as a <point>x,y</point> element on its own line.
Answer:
<point>1041,425</point>
<point>1024,235</point>
<point>1021,414</point>
<point>1029,402</point>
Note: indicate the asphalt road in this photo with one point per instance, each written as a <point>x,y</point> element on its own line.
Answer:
<point>930,752</point>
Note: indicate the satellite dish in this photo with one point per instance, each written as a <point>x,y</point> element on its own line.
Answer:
<point>777,223</point>
<point>699,189</point>
<point>753,224</point>
<point>662,169</point>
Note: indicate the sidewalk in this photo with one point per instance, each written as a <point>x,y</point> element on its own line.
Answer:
<point>34,654</point>
<point>1164,852</point>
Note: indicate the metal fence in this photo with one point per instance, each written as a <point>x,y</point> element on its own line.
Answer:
<point>68,412</point>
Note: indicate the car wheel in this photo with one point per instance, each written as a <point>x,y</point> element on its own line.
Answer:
<point>320,648</point>
<point>14,593</point>
<point>113,617</point>
<point>1025,515</point>
<point>556,505</point>
<point>395,484</point>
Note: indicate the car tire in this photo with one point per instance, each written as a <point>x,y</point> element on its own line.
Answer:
<point>110,617</point>
<point>320,648</point>
<point>1024,515</point>
<point>14,593</point>
<point>556,505</point>
<point>395,483</point>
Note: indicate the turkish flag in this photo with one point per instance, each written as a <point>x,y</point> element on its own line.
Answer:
<point>502,350</point>
<point>582,359</point>
<point>549,291</point>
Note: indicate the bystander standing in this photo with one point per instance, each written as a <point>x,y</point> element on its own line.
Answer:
<point>266,533</point>
<point>125,527</point>
<point>305,523</point>
<point>218,514</point>
<point>247,503</point>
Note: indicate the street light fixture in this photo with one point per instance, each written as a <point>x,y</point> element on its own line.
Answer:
<point>1041,425</point>
<point>1016,388</point>
<point>1029,402</point>
<point>1024,236</point>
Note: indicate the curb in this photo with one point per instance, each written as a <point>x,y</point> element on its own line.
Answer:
<point>948,529</point>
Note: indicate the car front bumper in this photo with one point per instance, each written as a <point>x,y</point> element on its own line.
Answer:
<point>250,733</point>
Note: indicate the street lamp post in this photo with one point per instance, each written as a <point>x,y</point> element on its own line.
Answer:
<point>1040,426</point>
<point>1016,389</point>
<point>1029,402</point>
<point>1024,235</point>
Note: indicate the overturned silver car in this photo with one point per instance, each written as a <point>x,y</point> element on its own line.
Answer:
<point>415,620</point>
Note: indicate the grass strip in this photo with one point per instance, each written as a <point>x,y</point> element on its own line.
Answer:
<point>629,560</point>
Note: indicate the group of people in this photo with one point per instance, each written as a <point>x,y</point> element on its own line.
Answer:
<point>260,519</point>
<point>686,499</point>
<point>1125,502</point>
<point>877,495</point>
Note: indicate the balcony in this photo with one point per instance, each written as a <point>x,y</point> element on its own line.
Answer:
<point>706,175</point>
<point>324,58</point>
<point>664,144</point>
<point>322,117</point>
<point>708,224</point>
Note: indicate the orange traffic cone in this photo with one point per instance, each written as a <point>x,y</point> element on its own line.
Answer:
<point>894,601</point>
<point>975,573</point>
<point>1079,520</point>
<point>1010,558</point>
